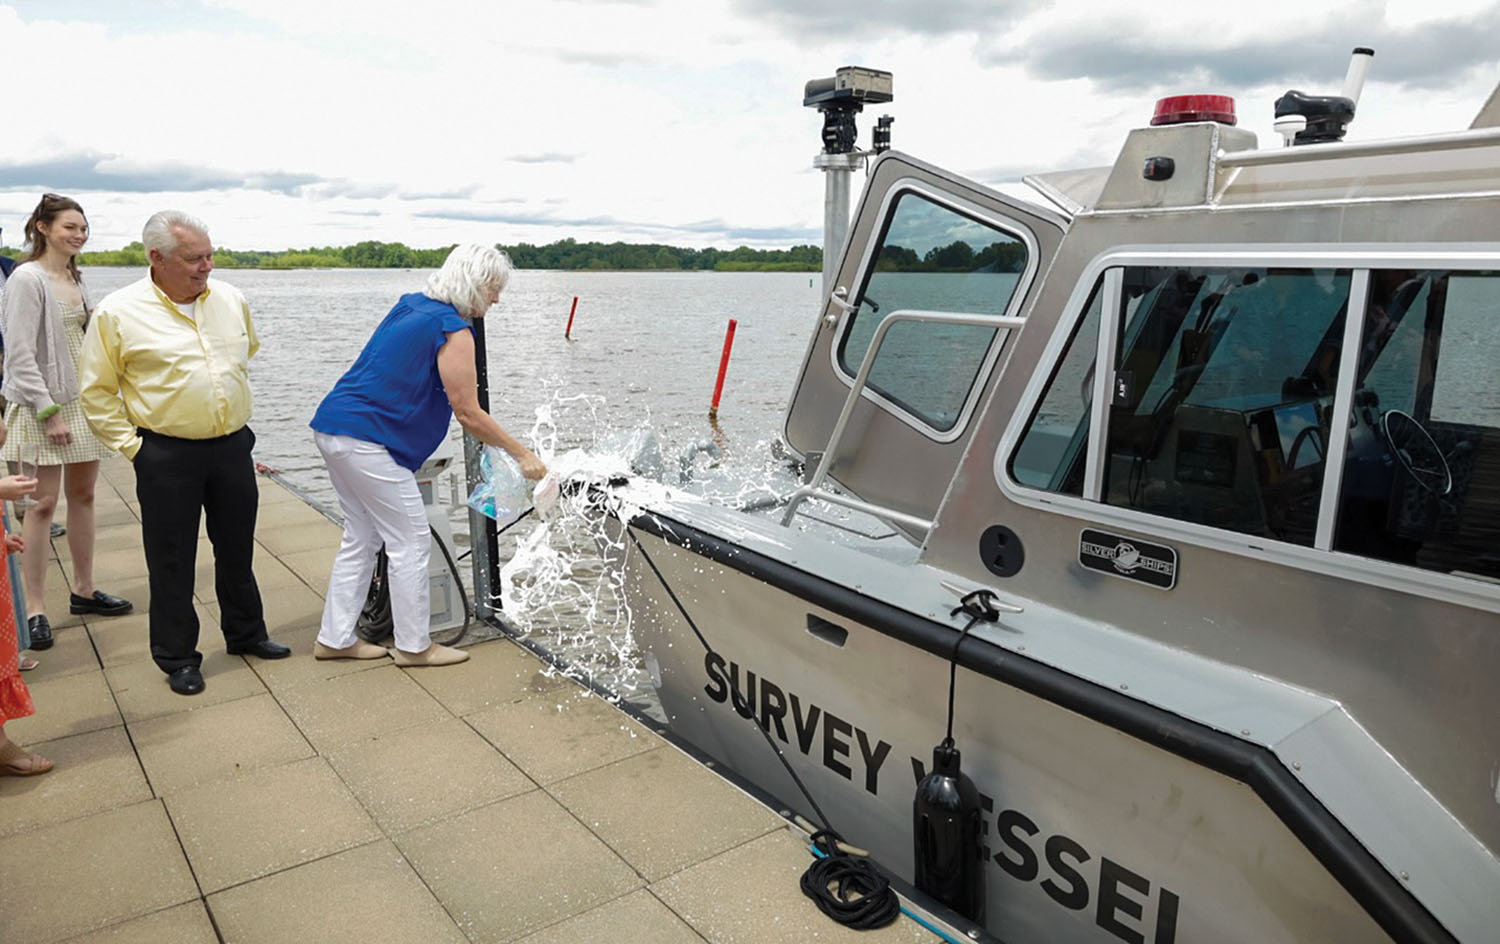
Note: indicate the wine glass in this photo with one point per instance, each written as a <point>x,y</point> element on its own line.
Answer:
<point>27,459</point>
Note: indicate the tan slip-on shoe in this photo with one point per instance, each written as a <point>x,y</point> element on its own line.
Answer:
<point>360,650</point>
<point>432,655</point>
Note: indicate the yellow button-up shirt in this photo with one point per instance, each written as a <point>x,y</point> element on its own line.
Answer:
<point>146,364</point>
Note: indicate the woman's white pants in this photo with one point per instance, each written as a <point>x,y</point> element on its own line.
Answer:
<point>381,502</point>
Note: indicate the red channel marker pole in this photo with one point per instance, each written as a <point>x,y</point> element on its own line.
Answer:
<point>713,411</point>
<point>568,332</point>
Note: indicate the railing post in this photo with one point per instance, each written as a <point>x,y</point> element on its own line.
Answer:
<point>483,543</point>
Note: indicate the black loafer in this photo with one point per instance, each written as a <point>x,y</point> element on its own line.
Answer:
<point>265,649</point>
<point>186,680</point>
<point>41,632</point>
<point>100,604</point>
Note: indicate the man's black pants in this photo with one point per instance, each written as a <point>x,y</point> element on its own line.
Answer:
<point>174,480</point>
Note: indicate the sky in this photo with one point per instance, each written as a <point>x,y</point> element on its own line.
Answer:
<point>300,123</point>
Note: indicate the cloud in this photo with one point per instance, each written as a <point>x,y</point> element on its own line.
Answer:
<point>1120,54</point>
<point>760,234</point>
<point>457,193</point>
<point>515,218</point>
<point>95,171</point>
<point>601,60</point>
<point>718,230</point>
<point>817,23</point>
<point>545,157</point>
<point>327,189</point>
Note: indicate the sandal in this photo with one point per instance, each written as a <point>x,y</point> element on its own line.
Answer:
<point>27,663</point>
<point>33,764</point>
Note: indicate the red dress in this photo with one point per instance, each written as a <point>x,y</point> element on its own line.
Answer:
<point>15,700</point>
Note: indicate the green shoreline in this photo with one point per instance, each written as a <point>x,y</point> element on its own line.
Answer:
<point>566,254</point>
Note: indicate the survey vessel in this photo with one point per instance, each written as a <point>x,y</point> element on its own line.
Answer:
<point>1188,469</point>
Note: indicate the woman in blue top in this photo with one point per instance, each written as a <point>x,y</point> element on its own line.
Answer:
<point>381,421</point>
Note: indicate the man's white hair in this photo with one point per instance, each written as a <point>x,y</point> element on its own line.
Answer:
<point>158,234</point>
<point>466,277</point>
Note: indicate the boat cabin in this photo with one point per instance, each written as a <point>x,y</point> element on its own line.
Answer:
<point>1220,426</point>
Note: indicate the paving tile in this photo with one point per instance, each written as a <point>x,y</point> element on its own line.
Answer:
<point>184,924</point>
<point>95,772</point>
<point>498,672</point>
<point>270,574</point>
<point>120,640</point>
<point>301,536</point>
<point>267,820</point>
<point>360,705</point>
<point>108,539</point>
<point>73,704</point>
<point>557,735</point>
<point>142,691</point>
<point>114,866</point>
<point>417,775</point>
<point>117,514</point>
<point>766,905</point>
<point>693,814</point>
<point>217,742</point>
<point>515,866</point>
<point>290,606</point>
<point>71,653</point>
<point>312,566</point>
<point>362,895</point>
<point>302,668</point>
<point>637,918</point>
<point>274,492</point>
<point>119,563</point>
<point>275,515</point>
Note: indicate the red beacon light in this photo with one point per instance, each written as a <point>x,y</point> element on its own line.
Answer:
<point>1179,109</point>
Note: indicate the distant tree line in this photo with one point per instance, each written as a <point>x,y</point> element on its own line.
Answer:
<point>564,254</point>
<point>570,254</point>
<point>957,256</point>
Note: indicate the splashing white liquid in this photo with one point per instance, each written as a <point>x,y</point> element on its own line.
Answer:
<point>563,584</point>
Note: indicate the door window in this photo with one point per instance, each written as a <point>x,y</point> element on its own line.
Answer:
<point>1421,481</point>
<point>932,258</point>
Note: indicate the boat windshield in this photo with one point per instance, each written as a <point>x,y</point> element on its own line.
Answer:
<point>1222,407</point>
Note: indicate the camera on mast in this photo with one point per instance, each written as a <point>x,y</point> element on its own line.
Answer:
<point>843,96</point>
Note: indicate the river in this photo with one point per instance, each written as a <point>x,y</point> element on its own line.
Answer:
<point>645,351</point>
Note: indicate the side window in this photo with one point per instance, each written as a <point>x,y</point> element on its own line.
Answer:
<point>1421,481</point>
<point>1051,452</point>
<point>1222,404</point>
<point>932,258</point>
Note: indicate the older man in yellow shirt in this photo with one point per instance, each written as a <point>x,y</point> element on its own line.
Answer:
<point>165,379</point>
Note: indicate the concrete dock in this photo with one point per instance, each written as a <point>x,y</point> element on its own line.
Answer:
<point>298,800</point>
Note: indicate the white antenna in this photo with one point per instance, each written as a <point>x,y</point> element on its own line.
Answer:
<point>1359,66</point>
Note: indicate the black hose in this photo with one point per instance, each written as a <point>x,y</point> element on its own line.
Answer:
<point>457,582</point>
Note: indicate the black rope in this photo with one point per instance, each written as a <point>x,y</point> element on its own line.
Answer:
<point>979,606</point>
<point>847,889</point>
<point>851,891</point>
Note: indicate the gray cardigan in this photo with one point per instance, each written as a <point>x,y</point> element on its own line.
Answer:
<point>38,370</point>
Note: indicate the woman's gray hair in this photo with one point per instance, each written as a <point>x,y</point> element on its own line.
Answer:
<point>158,231</point>
<point>467,275</point>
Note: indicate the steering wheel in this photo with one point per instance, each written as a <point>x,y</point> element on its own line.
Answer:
<point>1306,435</point>
<point>1416,450</point>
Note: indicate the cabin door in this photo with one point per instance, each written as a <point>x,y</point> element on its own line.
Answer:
<point>921,241</point>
